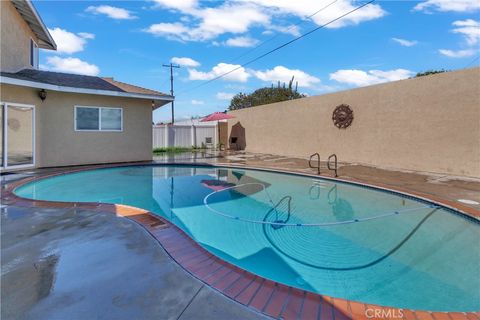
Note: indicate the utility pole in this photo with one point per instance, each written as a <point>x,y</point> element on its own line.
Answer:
<point>171,66</point>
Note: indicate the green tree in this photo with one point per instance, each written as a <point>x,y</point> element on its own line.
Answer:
<point>429,72</point>
<point>239,101</point>
<point>265,95</point>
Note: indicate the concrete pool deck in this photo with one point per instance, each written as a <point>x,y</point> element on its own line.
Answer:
<point>62,263</point>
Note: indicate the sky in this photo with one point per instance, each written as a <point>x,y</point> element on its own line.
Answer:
<point>383,41</point>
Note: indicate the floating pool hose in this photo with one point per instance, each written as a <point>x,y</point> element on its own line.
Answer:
<point>277,223</point>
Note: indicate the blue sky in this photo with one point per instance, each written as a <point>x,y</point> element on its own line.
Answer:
<point>384,41</point>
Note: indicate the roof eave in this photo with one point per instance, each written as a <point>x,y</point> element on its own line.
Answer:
<point>45,38</point>
<point>161,103</point>
<point>160,99</point>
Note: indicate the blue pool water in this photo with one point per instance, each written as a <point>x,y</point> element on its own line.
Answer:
<point>331,238</point>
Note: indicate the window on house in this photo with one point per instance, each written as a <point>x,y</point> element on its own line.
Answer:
<point>33,54</point>
<point>111,119</point>
<point>98,119</point>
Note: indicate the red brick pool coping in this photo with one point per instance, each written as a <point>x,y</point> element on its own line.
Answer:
<point>268,297</point>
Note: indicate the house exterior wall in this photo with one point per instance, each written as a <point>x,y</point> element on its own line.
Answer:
<point>15,35</point>
<point>57,142</point>
<point>427,124</point>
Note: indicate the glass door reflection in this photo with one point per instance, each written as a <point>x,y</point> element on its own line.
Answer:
<point>18,135</point>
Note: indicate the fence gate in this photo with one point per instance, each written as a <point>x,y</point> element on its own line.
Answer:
<point>184,136</point>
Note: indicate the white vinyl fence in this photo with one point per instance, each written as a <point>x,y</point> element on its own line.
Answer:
<point>184,136</point>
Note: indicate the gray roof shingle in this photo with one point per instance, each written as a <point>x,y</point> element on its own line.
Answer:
<point>77,81</point>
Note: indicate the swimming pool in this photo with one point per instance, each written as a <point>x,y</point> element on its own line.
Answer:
<point>323,236</point>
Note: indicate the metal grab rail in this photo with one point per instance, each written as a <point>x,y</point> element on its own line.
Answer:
<point>310,162</point>
<point>336,164</point>
<point>289,209</point>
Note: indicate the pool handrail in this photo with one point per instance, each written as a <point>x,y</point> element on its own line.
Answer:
<point>310,162</point>
<point>334,156</point>
<point>289,209</point>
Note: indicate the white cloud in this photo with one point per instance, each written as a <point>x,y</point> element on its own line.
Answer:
<point>173,31</point>
<point>86,35</point>
<point>111,12</point>
<point>457,53</point>
<point>185,62</point>
<point>68,42</point>
<point>210,21</point>
<point>448,5</point>
<point>469,28</point>
<point>238,17</point>
<point>303,8</point>
<point>227,18</point>
<point>183,5</point>
<point>240,75</point>
<point>71,65</point>
<point>242,42</point>
<point>405,43</point>
<point>365,78</point>
<point>224,96</point>
<point>283,74</point>
<point>291,29</point>
<point>197,102</point>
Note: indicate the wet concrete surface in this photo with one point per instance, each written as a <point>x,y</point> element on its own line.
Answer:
<point>206,305</point>
<point>78,264</point>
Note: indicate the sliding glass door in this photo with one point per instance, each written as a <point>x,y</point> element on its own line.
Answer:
<point>18,135</point>
<point>2,140</point>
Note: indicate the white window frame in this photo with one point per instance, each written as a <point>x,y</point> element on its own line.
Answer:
<point>5,135</point>
<point>34,56</point>
<point>99,119</point>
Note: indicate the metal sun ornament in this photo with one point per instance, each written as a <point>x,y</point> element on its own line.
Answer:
<point>342,116</point>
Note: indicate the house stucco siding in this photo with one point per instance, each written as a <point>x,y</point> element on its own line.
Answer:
<point>58,144</point>
<point>15,39</point>
<point>427,124</point>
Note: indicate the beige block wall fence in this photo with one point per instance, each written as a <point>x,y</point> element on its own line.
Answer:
<point>58,144</point>
<point>427,124</point>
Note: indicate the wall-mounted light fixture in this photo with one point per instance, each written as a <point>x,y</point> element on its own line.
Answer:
<point>42,94</point>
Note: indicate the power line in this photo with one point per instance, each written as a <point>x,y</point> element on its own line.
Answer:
<point>164,82</point>
<point>281,46</point>
<point>289,28</point>
<point>472,62</point>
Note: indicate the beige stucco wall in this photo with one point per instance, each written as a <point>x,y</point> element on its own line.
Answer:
<point>57,143</point>
<point>15,37</point>
<point>427,124</point>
